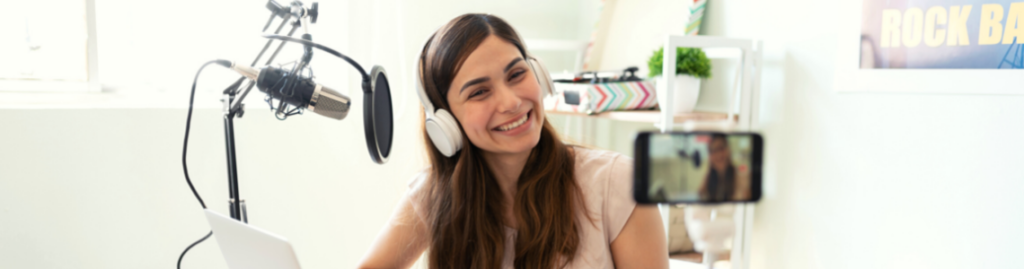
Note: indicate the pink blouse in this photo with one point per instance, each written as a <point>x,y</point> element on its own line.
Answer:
<point>606,179</point>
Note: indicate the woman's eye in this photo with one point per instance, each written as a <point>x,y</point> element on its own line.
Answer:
<point>477,92</point>
<point>517,74</point>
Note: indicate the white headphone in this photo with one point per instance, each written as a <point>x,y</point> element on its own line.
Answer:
<point>442,127</point>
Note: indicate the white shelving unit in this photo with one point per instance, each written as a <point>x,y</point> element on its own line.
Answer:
<point>746,111</point>
<point>741,114</point>
<point>749,80</point>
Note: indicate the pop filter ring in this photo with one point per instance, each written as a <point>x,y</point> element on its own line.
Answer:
<point>373,144</point>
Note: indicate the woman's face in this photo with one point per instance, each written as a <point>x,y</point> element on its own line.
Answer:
<point>720,155</point>
<point>496,99</point>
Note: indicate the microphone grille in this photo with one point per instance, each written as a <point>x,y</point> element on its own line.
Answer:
<point>329,103</point>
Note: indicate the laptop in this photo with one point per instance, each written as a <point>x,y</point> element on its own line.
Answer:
<point>246,247</point>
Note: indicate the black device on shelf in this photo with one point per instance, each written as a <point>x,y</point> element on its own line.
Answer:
<point>628,74</point>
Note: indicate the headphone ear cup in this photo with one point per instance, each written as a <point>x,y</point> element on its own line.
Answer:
<point>444,132</point>
<point>437,136</point>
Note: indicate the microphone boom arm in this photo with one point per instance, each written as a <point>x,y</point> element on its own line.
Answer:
<point>366,77</point>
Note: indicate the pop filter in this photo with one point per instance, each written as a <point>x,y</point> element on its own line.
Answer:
<point>377,116</point>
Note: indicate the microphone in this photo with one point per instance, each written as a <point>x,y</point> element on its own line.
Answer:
<point>378,121</point>
<point>299,92</point>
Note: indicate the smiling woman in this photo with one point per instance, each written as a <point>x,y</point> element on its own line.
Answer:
<point>515,195</point>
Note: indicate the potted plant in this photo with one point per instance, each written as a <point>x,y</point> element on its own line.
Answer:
<point>692,65</point>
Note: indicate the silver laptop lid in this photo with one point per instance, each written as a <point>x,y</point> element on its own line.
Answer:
<point>247,247</point>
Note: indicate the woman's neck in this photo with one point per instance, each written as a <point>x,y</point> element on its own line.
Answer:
<point>506,169</point>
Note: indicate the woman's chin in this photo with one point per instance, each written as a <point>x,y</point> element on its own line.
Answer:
<point>518,145</point>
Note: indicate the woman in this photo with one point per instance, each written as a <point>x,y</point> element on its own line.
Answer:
<point>515,195</point>
<point>720,183</point>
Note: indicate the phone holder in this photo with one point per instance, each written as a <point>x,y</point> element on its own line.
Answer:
<point>710,227</point>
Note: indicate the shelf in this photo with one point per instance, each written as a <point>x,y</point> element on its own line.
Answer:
<point>694,260</point>
<point>696,257</point>
<point>648,116</point>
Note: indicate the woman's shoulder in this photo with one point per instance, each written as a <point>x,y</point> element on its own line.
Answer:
<point>417,193</point>
<point>419,186</point>
<point>419,179</point>
<point>606,178</point>
<point>601,164</point>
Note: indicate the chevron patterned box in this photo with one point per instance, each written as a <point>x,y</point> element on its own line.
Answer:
<point>593,98</point>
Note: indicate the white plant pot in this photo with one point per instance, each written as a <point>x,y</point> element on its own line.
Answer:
<point>686,92</point>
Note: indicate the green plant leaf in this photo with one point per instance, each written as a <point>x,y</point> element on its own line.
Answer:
<point>691,61</point>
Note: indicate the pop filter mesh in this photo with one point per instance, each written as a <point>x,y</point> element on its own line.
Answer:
<point>382,119</point>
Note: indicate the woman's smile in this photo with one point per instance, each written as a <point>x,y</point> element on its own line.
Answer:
<point>516,126</point>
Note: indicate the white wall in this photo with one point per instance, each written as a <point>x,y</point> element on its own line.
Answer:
<point>637,28</point>
<point>871,180</point>
<point>103,188</point>
<point>95,181</point>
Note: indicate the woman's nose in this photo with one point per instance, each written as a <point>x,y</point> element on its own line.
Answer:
<point>508,101</point>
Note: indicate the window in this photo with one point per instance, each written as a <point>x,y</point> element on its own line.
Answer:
<point>141,47</point>
<point>157,46</point>
<point>45,46</point>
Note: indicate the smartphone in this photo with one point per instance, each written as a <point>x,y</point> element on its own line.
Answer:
<point>697,167</point>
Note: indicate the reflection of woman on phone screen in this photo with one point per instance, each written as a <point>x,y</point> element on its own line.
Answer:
<point>720,182</point>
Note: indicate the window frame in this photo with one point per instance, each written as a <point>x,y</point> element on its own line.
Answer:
<point>92,83</point>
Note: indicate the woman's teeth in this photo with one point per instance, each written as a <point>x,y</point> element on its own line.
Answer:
<point>515,124</point>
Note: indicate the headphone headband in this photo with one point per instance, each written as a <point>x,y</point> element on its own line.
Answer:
<point>421,91</point>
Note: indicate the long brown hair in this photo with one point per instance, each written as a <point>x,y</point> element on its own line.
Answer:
<point>465,204</point>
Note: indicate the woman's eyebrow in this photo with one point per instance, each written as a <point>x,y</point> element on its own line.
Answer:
<point>513,63</point>
<point>475,81</point>
<point>485,79</point>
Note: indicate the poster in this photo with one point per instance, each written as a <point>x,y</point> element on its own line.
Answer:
<point>942,34</point>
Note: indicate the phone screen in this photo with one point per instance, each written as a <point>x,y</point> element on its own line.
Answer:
<point>697,167</point>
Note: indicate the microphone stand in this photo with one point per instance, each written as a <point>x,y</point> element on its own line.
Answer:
<point>233,106</point>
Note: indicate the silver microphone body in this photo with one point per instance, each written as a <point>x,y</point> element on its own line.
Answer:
<point>300,93</point>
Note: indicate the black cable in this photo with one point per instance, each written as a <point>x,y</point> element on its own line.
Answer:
<point>188,125</point>
<point>192,245</point>
<point>184,149</point>
<point>366,77</point>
